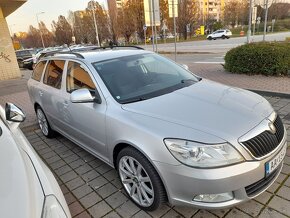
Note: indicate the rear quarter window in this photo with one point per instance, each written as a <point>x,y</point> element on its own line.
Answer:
<point>38,71</point>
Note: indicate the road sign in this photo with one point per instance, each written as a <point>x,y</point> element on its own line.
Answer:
<point>173,5</point>
<point>150,18</point>
<point>254,15</point>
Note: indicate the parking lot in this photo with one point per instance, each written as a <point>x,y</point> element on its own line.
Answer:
<point>92,188</point>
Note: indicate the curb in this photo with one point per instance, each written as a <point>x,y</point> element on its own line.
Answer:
<point>271,94</point>
<point>29,127</point>
<point>186,52</point>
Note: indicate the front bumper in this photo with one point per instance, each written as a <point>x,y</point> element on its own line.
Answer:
<point>184,183</point>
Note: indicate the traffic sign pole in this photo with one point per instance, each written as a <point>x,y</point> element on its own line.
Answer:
<point>174,23</point>
<point>145,28</point>
<point>250,22</point>
<point>266,19</point>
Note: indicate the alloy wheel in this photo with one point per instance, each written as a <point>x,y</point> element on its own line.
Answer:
<point>136,181</point>
<point>42,122</point>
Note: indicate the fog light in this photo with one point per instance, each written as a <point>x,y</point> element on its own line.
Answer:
<point>214,198</point>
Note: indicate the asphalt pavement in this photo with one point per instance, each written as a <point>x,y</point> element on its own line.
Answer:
<point>216,46</point>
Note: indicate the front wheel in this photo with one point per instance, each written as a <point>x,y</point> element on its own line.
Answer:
<point>44,124</point>
<point>140,180</point>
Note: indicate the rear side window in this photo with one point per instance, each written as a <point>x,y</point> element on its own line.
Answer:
<point>53,73</point>
<point>38,70</point>
<point>78,78</point>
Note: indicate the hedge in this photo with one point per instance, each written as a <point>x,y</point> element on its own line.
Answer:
<point>267,58</point>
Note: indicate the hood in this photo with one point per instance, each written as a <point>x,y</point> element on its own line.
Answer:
<point>207,106</point>
<point>21,194</point>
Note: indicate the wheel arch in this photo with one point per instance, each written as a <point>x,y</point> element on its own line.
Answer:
<point>36,105</point>
<point>120,146</point>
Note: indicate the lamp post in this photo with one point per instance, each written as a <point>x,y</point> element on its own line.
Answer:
<point>95,23</point>
<point>40,28</point>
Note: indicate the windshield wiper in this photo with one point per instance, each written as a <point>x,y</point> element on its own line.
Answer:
<point>188,81</point>
<point>132,100</point>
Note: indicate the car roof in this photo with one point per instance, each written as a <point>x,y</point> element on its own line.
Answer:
<point>92,56</point>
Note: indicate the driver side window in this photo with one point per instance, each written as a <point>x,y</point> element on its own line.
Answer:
<point>78,78</point>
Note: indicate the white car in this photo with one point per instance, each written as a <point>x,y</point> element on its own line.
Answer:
<point>28,188</point>
<point>220,34</point>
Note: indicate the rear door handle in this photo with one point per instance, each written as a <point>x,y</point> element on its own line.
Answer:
<point>40,93</point>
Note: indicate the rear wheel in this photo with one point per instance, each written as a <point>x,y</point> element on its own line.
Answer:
<point>224,37</point>
<point>44,124</point>
<point>209,38</point>
<point>140,180</point>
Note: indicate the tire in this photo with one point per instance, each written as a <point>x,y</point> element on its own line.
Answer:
<point>20,63</point>
<point>224,37</point>
<point>209,38</point>
<point>140,180</point>
<point>44,124</point>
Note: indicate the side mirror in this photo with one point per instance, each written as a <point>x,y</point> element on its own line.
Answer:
<point>84,96</point>
<point>185,66</point>
<point>14,113</point>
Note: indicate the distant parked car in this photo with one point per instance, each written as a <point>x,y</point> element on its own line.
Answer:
<point>28,188</point>
<point>22,55</point>
<point>171,135</point>
<point>220,34</point>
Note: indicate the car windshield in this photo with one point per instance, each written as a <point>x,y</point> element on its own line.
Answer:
<point>140,77</point>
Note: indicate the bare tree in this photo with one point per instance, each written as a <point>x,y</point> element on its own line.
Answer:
<point>102,20</point>
<point>127,25</point>
<point>235,12</point>
<point>188,13</point>
<point>48,37</point>
<point>63,31</point>
<point>32,38</point>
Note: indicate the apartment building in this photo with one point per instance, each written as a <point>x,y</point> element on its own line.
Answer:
<point>212,9</point>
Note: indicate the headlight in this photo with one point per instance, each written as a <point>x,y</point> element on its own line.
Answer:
<point>203,155</point>
<point>52,208</point>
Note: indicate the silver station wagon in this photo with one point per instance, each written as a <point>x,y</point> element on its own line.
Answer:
<point>171,135</point>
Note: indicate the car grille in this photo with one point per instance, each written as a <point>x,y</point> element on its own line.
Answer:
<point>259,186</point>
<point>266,142</point>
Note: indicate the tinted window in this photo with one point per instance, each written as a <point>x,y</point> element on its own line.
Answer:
<point>78,78</point>
<point>53,73</point>
<point>38,70</point>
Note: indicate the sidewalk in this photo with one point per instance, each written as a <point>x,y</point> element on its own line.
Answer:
<point>15,91</point>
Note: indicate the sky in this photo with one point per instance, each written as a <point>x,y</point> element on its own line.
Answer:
<point>26,14</point>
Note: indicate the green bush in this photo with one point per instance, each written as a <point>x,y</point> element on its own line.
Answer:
<point>259,58</point>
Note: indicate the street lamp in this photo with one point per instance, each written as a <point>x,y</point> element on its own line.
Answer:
<point>40,28</point>
<point>95,23</point>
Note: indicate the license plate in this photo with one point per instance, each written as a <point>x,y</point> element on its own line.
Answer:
<point>275,162</point>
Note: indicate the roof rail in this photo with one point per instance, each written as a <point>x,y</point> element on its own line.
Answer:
<point>116,46</point>
<point>53,53</point>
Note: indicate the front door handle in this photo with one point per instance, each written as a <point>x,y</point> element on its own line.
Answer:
<point>40,93</point>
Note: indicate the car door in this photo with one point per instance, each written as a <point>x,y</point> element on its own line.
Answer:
<point>34,82</point>
<point>50,90</point>
<point>84,123</point>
